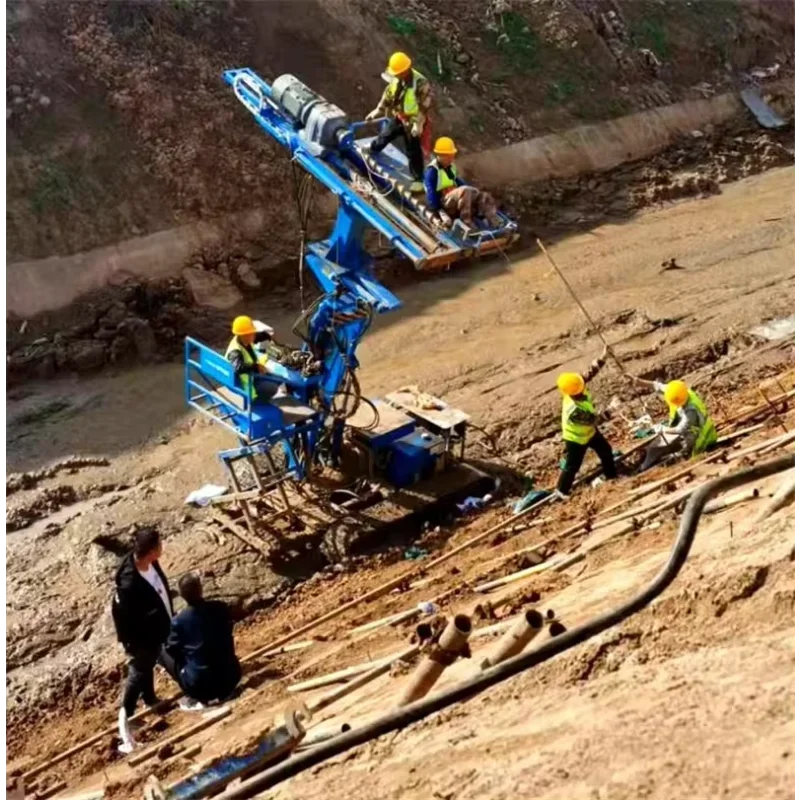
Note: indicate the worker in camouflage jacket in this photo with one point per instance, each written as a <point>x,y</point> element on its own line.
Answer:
<point>407,101</point>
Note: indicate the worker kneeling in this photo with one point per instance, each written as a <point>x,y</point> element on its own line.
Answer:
<point>579,428</point>
<point>448,195</point>
<point>689,430</point>
<point>200,653</point>
<point>246,362</point>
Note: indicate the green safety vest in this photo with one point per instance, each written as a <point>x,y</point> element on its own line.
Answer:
<point>410,103</point>
<point>705,434</point>
<point>443,180</point>
<point>576,430</point>
<point>245,378</point>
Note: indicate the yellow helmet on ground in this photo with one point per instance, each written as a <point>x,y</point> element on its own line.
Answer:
<point>242,326</point>
<point>676,393</point>
<point>570,383</point>
<point>445,146</point>
<point>398,64</point>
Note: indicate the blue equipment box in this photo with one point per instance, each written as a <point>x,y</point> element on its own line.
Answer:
<point>415,457</point>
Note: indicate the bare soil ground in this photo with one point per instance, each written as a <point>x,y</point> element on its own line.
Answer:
<point>692,698</point>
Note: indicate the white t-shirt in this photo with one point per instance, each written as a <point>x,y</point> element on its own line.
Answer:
<point>154,579</point>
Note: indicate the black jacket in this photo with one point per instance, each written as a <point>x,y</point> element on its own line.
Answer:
<point>141,621</point>
<point>201,642</point>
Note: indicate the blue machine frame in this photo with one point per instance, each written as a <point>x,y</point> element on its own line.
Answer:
<point>351,295</point>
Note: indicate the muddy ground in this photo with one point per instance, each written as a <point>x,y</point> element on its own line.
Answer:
<point>613,719</point>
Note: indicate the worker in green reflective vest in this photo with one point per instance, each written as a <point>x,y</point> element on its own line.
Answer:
<point>245,359</point>
<point>689,430</point>
<point>407,101</point>
<point>579,428</point>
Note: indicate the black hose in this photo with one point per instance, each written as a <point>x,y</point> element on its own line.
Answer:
<point>402,717</point>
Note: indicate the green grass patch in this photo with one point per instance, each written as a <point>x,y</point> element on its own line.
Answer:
<point>431,56</point>
<point>561,91</point>
<point>517,42</point>
<point>651,32</point>
<point>53,190</point>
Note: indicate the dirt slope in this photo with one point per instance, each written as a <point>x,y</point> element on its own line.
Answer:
<point>118,122</point>
<point>490,339</point>
<point>692,698</point>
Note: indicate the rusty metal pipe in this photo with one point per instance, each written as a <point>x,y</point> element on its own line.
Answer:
<point>516,638</point>
<point>451,643</point>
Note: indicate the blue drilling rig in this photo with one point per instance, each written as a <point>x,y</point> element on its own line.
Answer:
<point>398,456</point>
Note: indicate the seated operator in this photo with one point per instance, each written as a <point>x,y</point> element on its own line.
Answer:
<point>449,196</point>
<point>247,362</point>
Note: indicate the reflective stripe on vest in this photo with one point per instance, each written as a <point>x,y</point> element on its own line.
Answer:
<point>410,103</point>
<point>244,378</point>
<point>443,181</point>
<point>572,430</point>
<point>706,433</point>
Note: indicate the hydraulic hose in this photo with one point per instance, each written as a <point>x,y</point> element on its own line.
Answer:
<point>402,717</point>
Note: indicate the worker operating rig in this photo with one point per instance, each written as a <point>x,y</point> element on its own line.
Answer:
<point>394,458</point>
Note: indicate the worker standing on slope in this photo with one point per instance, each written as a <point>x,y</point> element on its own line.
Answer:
<point>689,430</point>
<point>579,427</point>
<point>245,359</point>
<point>407,100</point>
<point>448,196</point>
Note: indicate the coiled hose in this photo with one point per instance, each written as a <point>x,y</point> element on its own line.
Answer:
<point>400,718</point>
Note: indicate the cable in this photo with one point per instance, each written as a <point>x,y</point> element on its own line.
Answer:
<point>402,717</point>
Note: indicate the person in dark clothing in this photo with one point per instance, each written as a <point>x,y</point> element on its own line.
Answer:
<point>200,646</point>
<point>142,611</point>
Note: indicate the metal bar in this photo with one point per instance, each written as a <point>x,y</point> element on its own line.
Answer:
<point>402,717</point>
<point>241,503</point>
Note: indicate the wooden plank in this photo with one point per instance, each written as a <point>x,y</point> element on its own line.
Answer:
<point>340,675</point>
<point>363,679</point>
<point>207,721</point>
<point>248,538</point>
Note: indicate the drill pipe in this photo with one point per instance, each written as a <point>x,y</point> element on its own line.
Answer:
<point>402,717</point>
<point>516,638</point>
<point>399,187</point>
<point>451,643</point>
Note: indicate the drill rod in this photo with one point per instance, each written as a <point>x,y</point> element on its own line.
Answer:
<point>580,305</point>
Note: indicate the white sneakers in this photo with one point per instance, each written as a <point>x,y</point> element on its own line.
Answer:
<point>598,481</point>
<point>128,742</point>
<point>187,704</point>
<point>558,495</point>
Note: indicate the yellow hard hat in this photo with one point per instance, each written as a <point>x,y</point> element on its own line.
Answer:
<point>570,383</point>
<point>445,146</point>
<point>676,393</point>
<point>398,64</point>
<point>242,326</point>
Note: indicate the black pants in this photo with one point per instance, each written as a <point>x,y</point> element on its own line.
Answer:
<point>395,128</point>
<point>574,454</point>
<point>140,678</point>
